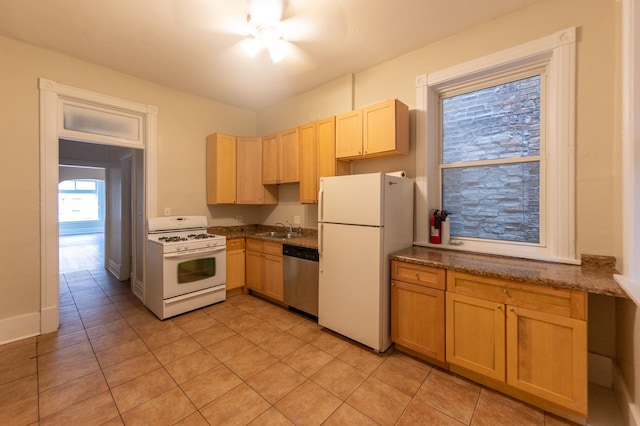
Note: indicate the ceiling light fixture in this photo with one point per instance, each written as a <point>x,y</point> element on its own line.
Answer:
<point>264,34</point>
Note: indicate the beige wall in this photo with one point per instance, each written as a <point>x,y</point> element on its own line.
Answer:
<point>184,121</point>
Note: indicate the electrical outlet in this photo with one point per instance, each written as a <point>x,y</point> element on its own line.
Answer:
<point>239,218</point>
<point>167,211</point>
<point>296,220</point>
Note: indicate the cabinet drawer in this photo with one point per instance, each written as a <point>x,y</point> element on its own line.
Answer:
<point>235,244</point>
<point>272,248</point>
<point>542,298</point>
<point>255,245</point>
<point>418,274</point>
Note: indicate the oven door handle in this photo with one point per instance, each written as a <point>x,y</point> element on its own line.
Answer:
<point>195,253</point>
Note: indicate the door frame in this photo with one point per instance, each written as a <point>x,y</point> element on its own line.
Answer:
<point>53,99</point>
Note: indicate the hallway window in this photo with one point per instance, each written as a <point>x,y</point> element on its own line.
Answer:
<point>79,199</point>
<point>81,206</point>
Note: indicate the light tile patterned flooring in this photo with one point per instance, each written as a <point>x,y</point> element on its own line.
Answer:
<point>243,361</point>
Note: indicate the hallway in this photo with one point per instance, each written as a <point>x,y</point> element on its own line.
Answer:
<point>81,252</point>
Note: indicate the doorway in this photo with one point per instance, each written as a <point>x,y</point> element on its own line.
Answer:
<point>81,218</point>
<point>74,114</point>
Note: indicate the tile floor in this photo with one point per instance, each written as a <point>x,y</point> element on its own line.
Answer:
<point>243,361</point>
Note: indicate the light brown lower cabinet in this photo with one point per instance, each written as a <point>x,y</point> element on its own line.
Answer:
<point>235,266</point>
<point>264,273</point>
<point>526,340</point>
<point>417,309</point>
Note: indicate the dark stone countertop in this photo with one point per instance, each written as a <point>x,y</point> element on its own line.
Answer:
<point>309,236</point>
<point>595,275</point>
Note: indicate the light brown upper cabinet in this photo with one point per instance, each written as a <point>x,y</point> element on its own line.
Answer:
<point>318,157</point>
<point>221,169</point>
<point>281,157</point>
<point>249,187</point>
<point>234,171</point>
<point>380,130</point>
<point>349,135</point>
<point>308,146</point>
<point>271,159</point>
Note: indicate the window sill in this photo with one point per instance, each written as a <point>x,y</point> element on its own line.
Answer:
<point>507,253</point>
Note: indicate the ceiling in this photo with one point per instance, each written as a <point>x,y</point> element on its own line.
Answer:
<point>194,45</point>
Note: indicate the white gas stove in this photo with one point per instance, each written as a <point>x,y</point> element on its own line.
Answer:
<point>186,266</point>
<point>182,233</point>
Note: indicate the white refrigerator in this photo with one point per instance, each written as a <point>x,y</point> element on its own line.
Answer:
<point>361,220</point>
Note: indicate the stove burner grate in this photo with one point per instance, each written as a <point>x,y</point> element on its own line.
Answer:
<point>201,236</point>
<point>173,239</point>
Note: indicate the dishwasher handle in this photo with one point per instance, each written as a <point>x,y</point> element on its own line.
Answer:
<point>305,253</point>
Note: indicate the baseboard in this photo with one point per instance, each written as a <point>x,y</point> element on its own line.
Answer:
<point>114,268</point>
<point>138,289</point>
<point>600,370</point>
<point>628,407</point>
<point>20,327</point>
<point>50,320</point>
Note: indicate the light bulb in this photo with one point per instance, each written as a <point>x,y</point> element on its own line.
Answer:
<point>252,46</point>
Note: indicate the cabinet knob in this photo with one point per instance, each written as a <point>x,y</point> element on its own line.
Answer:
<point>505,291</point>
<point>499,307</point>
<point>512,309</point>
<point>417,275</point>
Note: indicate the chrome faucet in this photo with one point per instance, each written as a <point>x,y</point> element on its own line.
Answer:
<point>288,225</point>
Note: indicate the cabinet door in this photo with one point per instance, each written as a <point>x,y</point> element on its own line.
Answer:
<point>386,128</point>
<point>349,135</point>
<point>308,179</point>
<point>273,285</point>
<point>253,270</point>
<point>417,318</point>
<point>327,164</point>
<point>290,156</point>
<point>475,332</point>
<point>271,159</point>
<point>249,188</point>
<point>547,356</point>
<point>221,169</point>
<point>235,265</point>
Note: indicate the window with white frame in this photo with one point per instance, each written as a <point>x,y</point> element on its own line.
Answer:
<point>495,148</point>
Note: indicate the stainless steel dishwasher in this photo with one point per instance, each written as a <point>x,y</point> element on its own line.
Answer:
<point>300,266</point>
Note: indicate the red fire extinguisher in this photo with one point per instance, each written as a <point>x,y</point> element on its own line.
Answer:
<point>436,228</point>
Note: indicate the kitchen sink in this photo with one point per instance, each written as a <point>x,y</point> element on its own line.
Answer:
<point>274,234</point>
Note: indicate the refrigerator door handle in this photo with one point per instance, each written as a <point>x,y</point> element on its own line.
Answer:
<point>321,202</point>
<point>320,238</point>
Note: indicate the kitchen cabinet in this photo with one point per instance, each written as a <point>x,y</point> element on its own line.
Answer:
<point>380,130</point>
<point>221,169</point>
<point>308,163</point>
<point>235,266</point>
<point>249,187</point>
<point>417,309</point>
<point>234,171</point>
<point>528,340</point>
<point>349,135</point>
<point>281,157</point>
<point>271,159</point>
<point>264,273</point>
<point>317,157</point>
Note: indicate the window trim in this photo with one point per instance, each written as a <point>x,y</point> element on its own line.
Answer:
<point>557,51</point>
